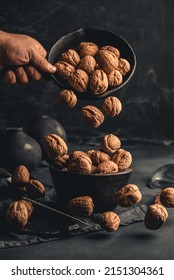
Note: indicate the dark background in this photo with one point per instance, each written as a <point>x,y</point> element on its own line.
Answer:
<point>148,99</point>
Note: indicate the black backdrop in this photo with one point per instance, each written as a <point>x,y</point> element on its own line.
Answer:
<point>148,100</point>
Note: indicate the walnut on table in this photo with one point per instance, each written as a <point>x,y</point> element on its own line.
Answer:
<point>109,221</point>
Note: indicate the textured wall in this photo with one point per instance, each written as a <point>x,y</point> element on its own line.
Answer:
<point>148,100</point>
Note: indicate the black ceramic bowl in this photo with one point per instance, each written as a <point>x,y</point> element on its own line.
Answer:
<point>101,38</point>
<point>101,187</point>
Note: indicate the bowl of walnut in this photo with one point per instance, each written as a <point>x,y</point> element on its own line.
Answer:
<point>94,63</point>
<point>97,173</point>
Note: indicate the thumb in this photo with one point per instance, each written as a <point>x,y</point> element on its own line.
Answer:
<point>41,63</point>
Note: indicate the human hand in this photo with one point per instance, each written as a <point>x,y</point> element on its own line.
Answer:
<point>27,54</point>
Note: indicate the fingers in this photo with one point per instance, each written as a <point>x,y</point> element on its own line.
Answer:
<point>41,63</point>
<point>10,77</point>
<point>22,75</point>
<point>32,73</point>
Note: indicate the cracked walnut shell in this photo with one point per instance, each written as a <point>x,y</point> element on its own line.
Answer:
<point>112,106</point>
<point>67,98</point>
<point>79,80</point>
<point>109,221</point>
<point>71,57</point>
<point>128,195</point>
<point>17,214</point>
<point>98,81</point>
<point>155,217</point>
<point>64,69</point>
<point>92,116</point>
<point>106,167</point>
<point>82,164</point>
<point>107,60</point>
<point>81,206</point>
<point>87,48</point>
<point>110,143</point>
<point>87,64</point>
<point>115,78</point>
<point>167,197</point>
<point>20,175</point>
<point>123,159</point>
<point>55,146</point>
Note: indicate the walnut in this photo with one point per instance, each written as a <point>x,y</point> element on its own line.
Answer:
<point>87,64</point>
<point>115,78</point>
<point>157,199</point>
<point>98,156</point>
<point>17,214</point>
<point>64,169</point>
<point>82,164</point>
<point>55,146</point>
<point>29,206</point>
<point>107,60</point>
<point>34,189</point>
<point>67,98</point>
<point>71,57</point>
<point>93,169</point>
<point>20,175</point>
<point>128,195</point>
<point>98,81</point>
<point>110,143</point>
<point>60,162</point>
<point>111,49</point>
<point>106,167</point>
<point>79,80</point>
<point>81,206</point>
<point>155,217</point>
<point>123,159</point>
<point>123,66</point>
<point>92,115</point>
<point>109,221</point>
<point>64,69</point>
<point>112,106</point>
<point>167,197</point>
<point>87,48</point>
<point>89,153</point>
<point>76,154</point>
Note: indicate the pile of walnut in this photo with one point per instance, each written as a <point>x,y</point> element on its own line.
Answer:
<point>110,158</point>
<point>19,211</point>
<point>92,69</point>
